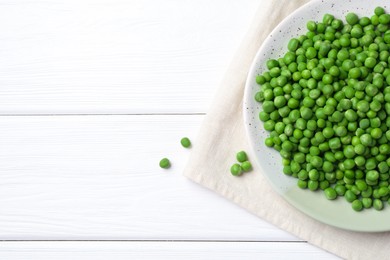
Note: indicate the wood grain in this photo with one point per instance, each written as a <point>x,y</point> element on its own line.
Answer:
<point>160,250</point>
<point>97,177</point>
<point>116,56</point>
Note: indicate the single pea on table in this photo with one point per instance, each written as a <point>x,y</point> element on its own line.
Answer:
<point>185,142</point>
<point>165,163</point>
<point>326,106</point>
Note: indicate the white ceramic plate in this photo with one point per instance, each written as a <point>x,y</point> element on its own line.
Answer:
<point>338,212</point>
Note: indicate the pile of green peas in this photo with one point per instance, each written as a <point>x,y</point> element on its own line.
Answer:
<point>326,104</point>
<point>243,166</point>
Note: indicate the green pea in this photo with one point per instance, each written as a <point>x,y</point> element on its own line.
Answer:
<point>316,161</point>
<point>321,27</point>
<point>302,184</point>
<point>357,205</point>
<point>313,185</point>
<point>367,193</point>
<point>268,106</point>
<point>260,79</point>
<point>376,133</point>
<point>314,175</point>
<point>317,73</point>
<point>378,204</point>
<point>341,131</point>
<point>370,62</point>
<point>185,142</point>
<point>360,161</point>
<point>306,113</point>
<point>356,31</point>
<point>236,169</point>
<point>366,139</point>
<point>361,185</point>
<point>334,143</point>
<point>165,163</point>
<point>272,63</point>
<point>259,97</point>
<point>379,11</point>
<point>298,134</point>
<point>351,115</point>
<point>241,156</point>
<point>301,124</point>
<point>337,24</point>
<point>287,170</point>
<point>268,94</point>
<point>299,157</point>
<point>327,19</point>
<point>384,19</point>
<point>287,146</point>
<point>293,44</point>
<point>328,132</point>
<point>371,164</point>
<point>324,184</point>
<point>345,41</point>
<point>329,109</point>
<point>330,193</point>
<point>349,164</point>
<point>311,26</point>
<point>340,189</point>
<point>246,166</point>
<point>280,101</point>
<point>308,102</point>
<point>375,105</point>
<point>372,175</point>
<point>274,72</point>
<point>367,203</point>
<point>311,52</point>
<point>383,191</point>
<point>269,142</point>
<point>275,115</point>
<point>294,115</point>
<point>350,196</point>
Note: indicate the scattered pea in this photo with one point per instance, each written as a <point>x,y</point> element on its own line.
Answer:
<point>185,142</point>
<point>165,163</point>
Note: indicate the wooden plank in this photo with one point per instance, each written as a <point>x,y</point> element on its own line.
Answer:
<point>116,56</point>
<point>97,177</point>
<point>160,250</point>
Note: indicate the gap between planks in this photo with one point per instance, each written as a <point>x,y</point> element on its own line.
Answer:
<point>116,114</point>
<point>163,240</point>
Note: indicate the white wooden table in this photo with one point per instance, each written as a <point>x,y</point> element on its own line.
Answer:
<point>92,94</point>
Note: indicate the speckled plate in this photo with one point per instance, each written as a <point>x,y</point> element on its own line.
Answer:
<point>336,213</point>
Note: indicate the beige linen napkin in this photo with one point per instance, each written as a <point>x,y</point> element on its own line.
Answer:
<point>223,134</point>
